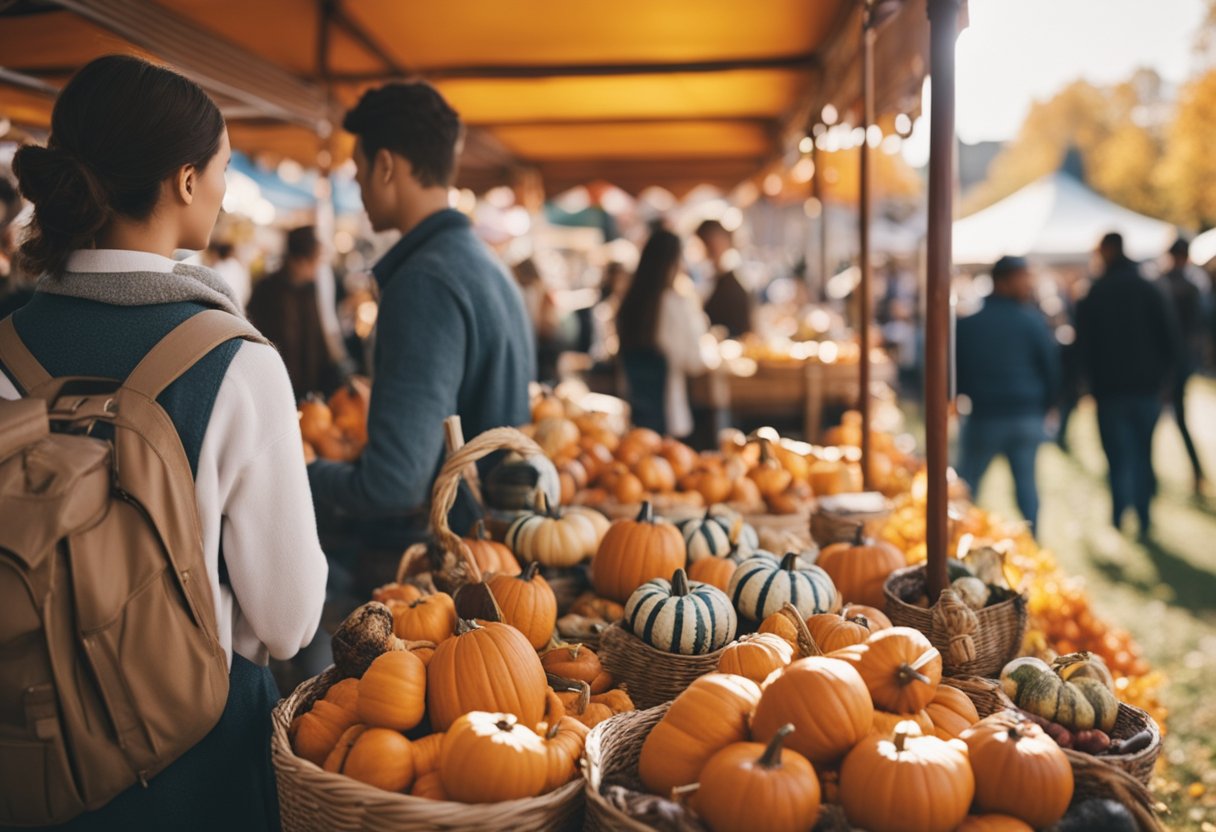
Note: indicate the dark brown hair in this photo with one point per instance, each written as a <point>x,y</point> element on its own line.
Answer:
<point>412,120</point>
<point>637,321</point>
<point>120,128</point>
<point>302,243</point>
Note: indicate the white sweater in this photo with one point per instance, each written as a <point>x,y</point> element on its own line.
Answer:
<point>681,326</point>
<point>252,493</point>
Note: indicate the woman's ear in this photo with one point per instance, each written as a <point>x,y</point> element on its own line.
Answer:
<point>186,180</point>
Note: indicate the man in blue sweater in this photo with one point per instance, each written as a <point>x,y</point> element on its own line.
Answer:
<point>452,336</point>
<point>1008,366</point>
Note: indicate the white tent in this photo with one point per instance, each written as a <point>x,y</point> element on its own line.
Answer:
<point>1203,247</point>
<point>1056,218</point>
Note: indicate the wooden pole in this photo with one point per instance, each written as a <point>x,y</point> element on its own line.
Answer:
<point>817,192</point>
<point>865,210</point>
<point>943,26</point>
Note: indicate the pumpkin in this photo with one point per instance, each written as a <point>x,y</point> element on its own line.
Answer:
<point>396,592</point>
<point>993,823</point>
<point>598,522</point>
<point>314,734</point>
<point>903,781</point>
<point>551,536</point>
<point>362,636</point>
<point>656,474</point>
<point>349,406</point>
<point>713,571</point>
<point>547,406</point>
<point>429,786</point>
<point>424,650</point>
<point>592,606</point>
<point>337,755</point>
<point>564,741</point>
<point>316,419</point>
<point>578,662</point>
<point>860,569</point>
<point>430,618</point>
<point>711,483</point>
<point>491,757</point>
<point>555,434</point>
<point>1019,770</point>
<point>488,666</point>
<point>762,584</point>
<point>1083,666</point>
<point>745,492</point>
<point>344,694</point>
<point>1078,705</point>
<point>678,617</point>
<point>490,555</point>
<point>379,757</point>
<point>779,624</point>
<point>827,702</point>
<point>877,618</point>
<point>901,668</point>
<point>392,693</point>
<point>951,711</point>
<point>426,753</point>
<point>634,552</point>
<point>335,446</point>
<point>628,489</point>
<point>706,537</point>
<point>832,631</point>
<point>709,715</point>
<point>885,722</point>
<point>527,603</point>
<point>770,477</point>
<point>681,457</point>
<point>748,786</point>
<point>573,478</point>
<point>756,656</point>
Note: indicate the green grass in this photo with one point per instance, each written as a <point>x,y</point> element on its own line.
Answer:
<point>1163,592</point>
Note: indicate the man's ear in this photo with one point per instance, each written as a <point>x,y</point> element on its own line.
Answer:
<point>184,183</point>
<point>388,167</point>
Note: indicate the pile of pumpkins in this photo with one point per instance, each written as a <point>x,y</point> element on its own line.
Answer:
<point>337,429</point>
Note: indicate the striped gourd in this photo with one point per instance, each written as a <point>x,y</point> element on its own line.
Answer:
<point>679,616</point>
<point>706,537</point>
<point>762,584</point>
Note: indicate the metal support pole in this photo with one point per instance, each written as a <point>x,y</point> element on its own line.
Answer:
<point>865,210</point>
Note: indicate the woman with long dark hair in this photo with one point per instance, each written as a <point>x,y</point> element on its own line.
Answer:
<point>660,328</point>
<point>132,172</point>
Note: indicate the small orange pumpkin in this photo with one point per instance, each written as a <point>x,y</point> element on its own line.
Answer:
<point>578,662</point>
<point>564,741</point>
<point>634,552</point>
<point>491,556</point>
<point>951,711</point>
<point>656,474</point>
<point>860,569</point>
<point>426,753</point>
<point>901,668</point>
<point>826,700</point>
<point>509,760</point>
<point>392,693</point>
<point>713,571</point>
<point>527,603</point>
<point>379,757</point>
<point>756,656</point>
<point>430,618</point>
<point>993,823</point>
<point>1019,770</point>
<point>877,618</point>
<point>832,632</point>
<point>396,592</point>
<point>429,786</point>
<point>314,734</point>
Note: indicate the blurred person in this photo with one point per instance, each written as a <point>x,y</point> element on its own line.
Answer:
<point>1072,382</point>
<point>134,170</point>
<point>544,315</point>
<point>660,326</point>
<point>221,258</point>
<point>1129,353</point>
<point>728,305</point>
<point>1182,289</point>
<point>285,308</point>
<point>1008,365</point>
<point>452,336</point>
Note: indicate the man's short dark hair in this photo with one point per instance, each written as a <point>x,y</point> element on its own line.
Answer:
<point>412,120</point>
<point>302,243</point>
<point>1008,266</point>
<point>1112,241</point>
<point>1181,247</point>
<point>710,227</point>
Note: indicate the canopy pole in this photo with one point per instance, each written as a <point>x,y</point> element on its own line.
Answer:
<point>817,192</point>
<point>943,27</point>
<point>865,210</point>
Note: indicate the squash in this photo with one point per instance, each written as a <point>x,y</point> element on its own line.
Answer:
<point>709,715</point>
<point>748,786</point>
<point>711,483</point>
<point>904,781</point>
<point>780,625</point>
<point>551,536</point>
<point>859,569</point>
<point>762,584</point>
<point>491,757</point>
<point>951,712</point>
<point>1083,665</point>
<point>827,702</point>
<point>527,603</point>
<point>599,523</point>
<point>833,631</point>
<point>885,722</point>
<point>490,555</point>
<point>564,741</point>
<point>314,734</point>
<point>590,605</point>
<point>996,823</point>
<point>392,693</point>
<point>713,571</point>
<point>362,636</point>
<point>1078,705</point>
<point>429,786</point>
<point>655,474</point>
<point>486,666</point>
<point>426,753</point>
<point>706,537</point>
<point>349,406</point>
<point>396,592</point>
<point>578,662</point>
<point>678,617</point>
<point>756,656</point>
<point>877,618</point>
<point>681,457</point>
<point>770,476</point>
<point>379,757</point>
<point>973,592</point>
<point>556,434</point>
<point>1019,770</point>
<point>430,618</point>
<point>634,552</point>
<point>901,668</point>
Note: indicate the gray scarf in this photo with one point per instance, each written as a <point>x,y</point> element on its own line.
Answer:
<point>192,284</point>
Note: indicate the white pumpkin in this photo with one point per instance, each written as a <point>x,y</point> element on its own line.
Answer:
<point>706,537</point>
<point>551,536</point>
<point>681,616</point>
<point>598,521</point>
<point>762,584</point>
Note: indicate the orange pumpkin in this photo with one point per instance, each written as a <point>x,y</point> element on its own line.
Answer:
<point>404,593</point>
<point>572,477</point>
<point>951,711</point>
<point>710,482</point>
<point>426,754</point>
<point>379,757</point>
<point>430,618</point>
<point>713,571</point>
<point>578,662</point>
<point>860,569</point>
<point>556,434</point>
<point>491,757</point>
<point>877,618</point>
<point>634,552</point>
<point>827,702</point>
<point>490,555</point>
<point>487,666</point>
<point>349,406</point>
<point>392,693</point>
<point>564,741</point>
<point>316,419</point>
<point>832,631</point>
<point>344,694</point>
<point>745,491</point>
<point>779,624</point>
<point>681,457</point>
<point>709,715</point>
<point>884,722</point>
<point>756,656</point>
<point>993,823</point>
<point>314,734</point>
<point>429,786</point>
<point>900,667</point>
<point>628,489</point>
<point>656,474</point>
<point>770,477</point>
<point>527,603</point>
<point>1019,770</point>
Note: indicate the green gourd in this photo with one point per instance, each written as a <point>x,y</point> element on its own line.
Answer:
<point>1079,704</point>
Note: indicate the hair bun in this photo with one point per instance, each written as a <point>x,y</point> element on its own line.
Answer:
<point>67,195</point>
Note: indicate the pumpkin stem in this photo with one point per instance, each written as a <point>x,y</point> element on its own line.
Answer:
<point>565,684</point>
<point>646,515</point>
<point>479,530</point>
<point>859,534</point>
<point>907,674</point>
<point>900,738</point>
<point>466,625</point>
<point>859,620</point>
<point>530,572</point>
<point>552,732</point>
<point>790,562</point>
<point>709,514</point>
<point>806,642</point>
<point>771,758</point>
<point>505,724</point>
<point>545,507</point>
<point>679,583</point>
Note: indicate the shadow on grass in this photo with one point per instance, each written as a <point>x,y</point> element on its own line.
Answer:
<point>1194,588</point>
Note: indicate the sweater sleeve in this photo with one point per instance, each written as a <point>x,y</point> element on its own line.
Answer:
<point>681,325</point>
<point>421,345</point>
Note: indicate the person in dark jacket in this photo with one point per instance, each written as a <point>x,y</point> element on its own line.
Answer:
<point>728,305</point>
<point>1008,366</point>
<point>1187,303</point>
<point>284,307</point>
<point>452,336</point>
<point>1129,353</point>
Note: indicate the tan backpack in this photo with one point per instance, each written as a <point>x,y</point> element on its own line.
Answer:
<point>110,666</point>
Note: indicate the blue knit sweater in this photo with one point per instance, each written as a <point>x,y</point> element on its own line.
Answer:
<point>1007,361</point>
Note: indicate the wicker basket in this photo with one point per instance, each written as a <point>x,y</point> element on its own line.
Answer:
<point>312,800</point>
<point>652,676</point>
<point>796,526</point>
<point>835,520</point>
<point>972,643</point>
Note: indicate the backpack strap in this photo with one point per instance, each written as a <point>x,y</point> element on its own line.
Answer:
<point>184,346</point>
<point>18,360</point>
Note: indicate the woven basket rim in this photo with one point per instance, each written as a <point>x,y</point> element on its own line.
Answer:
<point>647,649</point>
<point>907,573</point>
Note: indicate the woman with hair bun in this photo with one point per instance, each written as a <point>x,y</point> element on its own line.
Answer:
<point>133,171</point>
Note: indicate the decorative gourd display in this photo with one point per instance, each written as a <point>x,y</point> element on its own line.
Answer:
<point>859,569</point>
<point>756,656</point>
<point>487,666</point>
<point>578,662</point>
<point>951,711</point>
<point>709,715</point>
<point>1019,770</point>
<point>392,693</point>
<point>832,631</point>
<point>903,781</point>
<point>762,584</point>
<point>877,618</point>
<point>827,702</point>
<point>379,757</point>
<point>993,823</point>
<point>491,556</point>
<point>714,571</point>
<point>430,618</point>
<point>706,537</point>
<point>564,741</point>
<point>634,552</point>
<point>426,754</point>
<point>749,786</point>
<point>527,603</point>
<point>901,668</point>
<point>490,757</point>
<point>551,536</point>
<point>1080,704</point>
<point>885,722</point>
<point>681,617</point>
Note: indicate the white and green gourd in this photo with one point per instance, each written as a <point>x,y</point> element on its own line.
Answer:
<point>681,616</point>
<point>706,537</point>
<point>762,584</point>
